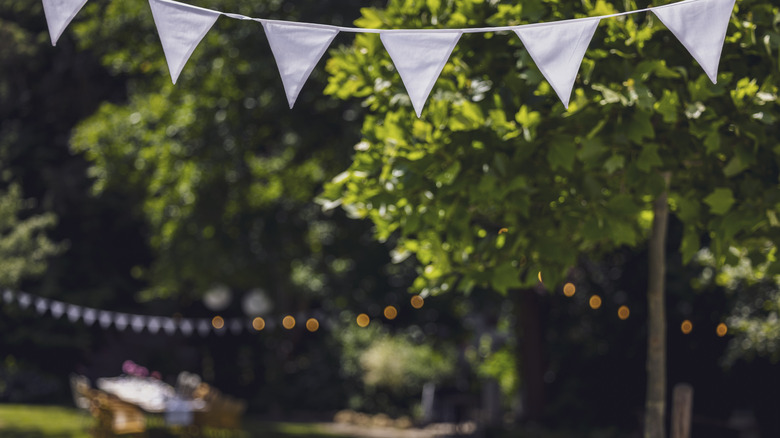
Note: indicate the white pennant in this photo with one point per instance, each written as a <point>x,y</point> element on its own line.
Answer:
<point>121,321</point>
<point>701,28</point>
<point>186,327</point>
<point>24,300</point>
<point>59,13</point>
<point>297,49</point>
<point>204,327</point>
<point>236,326</point>
<point>105,319</point>
<point>8,296</point>
<point>89,316</point>
<point>41,305</point>
<point>419,58</point>
<point>73,312</point>
<point>168,325</point>
<point>137,323</point>
<point>57,309</point>
<point>154,325</point>
<point>181,28</point>
<point>557,49</point>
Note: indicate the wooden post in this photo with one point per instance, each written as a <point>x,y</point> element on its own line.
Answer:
<point>682,405</point>
<point>655,401</point>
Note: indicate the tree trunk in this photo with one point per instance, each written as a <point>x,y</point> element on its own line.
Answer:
<point>655,402</point>
<point>529,333</point>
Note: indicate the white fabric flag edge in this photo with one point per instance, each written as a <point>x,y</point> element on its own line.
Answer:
<point>58,23</point>
<point>175,66</point>
<point>563,90</point>
<point>418,102</point>
<point>273,30</point>
<point>680,32</point>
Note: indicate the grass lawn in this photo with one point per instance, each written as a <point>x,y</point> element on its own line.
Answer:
<point>33,421</point>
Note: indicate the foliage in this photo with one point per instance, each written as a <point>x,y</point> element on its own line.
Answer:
<point>223,179</point>
<point>24,246</point>
<point>753,324</point>
<point>495,148</point>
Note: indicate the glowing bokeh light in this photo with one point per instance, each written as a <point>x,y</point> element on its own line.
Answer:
<point>217,322</point>
<point>363,320</point>
<point>721,330</point>
<point>686,327</point>
<point>258,323</point>
<point>623,312</point>
<point>312,325</point>
<point>288,322</point>
<point>391,312</point>
<point>540,277</point>
<point>417,301</point>
<point>569,289</point>
<point>595,302</point>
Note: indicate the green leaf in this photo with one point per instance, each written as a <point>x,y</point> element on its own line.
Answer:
<point>561,153</point>
<point>505,277</point>
<point>667,106</point>
<point>720,200</point>
<point>614,163</point>
<point>640,127</point>
<point>690,244</point>
<point>649,158</point>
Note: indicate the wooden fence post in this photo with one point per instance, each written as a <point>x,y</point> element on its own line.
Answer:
<point>682,406</point>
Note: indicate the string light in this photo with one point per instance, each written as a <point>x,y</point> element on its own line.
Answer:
<point>686,327</point>
<point>363,320</point>
<point>288,322</point>
<point>539,276</point>
<point>417,302</point>
<point>312,325</point>
<point>623,312</point>
<point>217,322</point>
<point>595,302</point>
<point>569,289</point>
<point>390,312</point>
<point>258,323</point>
<point>721,330</point>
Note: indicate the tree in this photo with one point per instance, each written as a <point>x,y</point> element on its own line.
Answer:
<point>495,150</point>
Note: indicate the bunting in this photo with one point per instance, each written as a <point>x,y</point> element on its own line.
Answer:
<point>419,58</point>
<point>296,49</point>
<point>419,55</point>
<point>181,28</point>
<point>557,49</point>
<point>59,14</point>
<point>701,28</point>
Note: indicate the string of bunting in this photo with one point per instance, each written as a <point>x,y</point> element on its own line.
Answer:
<point>419,55</point>
<point>138,323</point>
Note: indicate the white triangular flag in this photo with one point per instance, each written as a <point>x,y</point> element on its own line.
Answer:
<point>58,14</point>
<point>8,296</point>
<point>557,49</point>
<point>186,327</point>
<point>89,316</point>
<point>120,321</point>
<point>57,309</point>
<point>297,48</point>
<point>701,27</point>
<point>105,319</point>
<point>168,325</point>
<point>137,323</point>
<point>41,305</point>
<point>181,28</point>
<point>419,58</point>
<point>24,300</point>
<point>154,325</point>
<point>204,327</point>
<point>73,312</point>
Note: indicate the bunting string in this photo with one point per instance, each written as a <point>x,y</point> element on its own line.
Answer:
<point>153,324</point>
<point>419,55</point>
